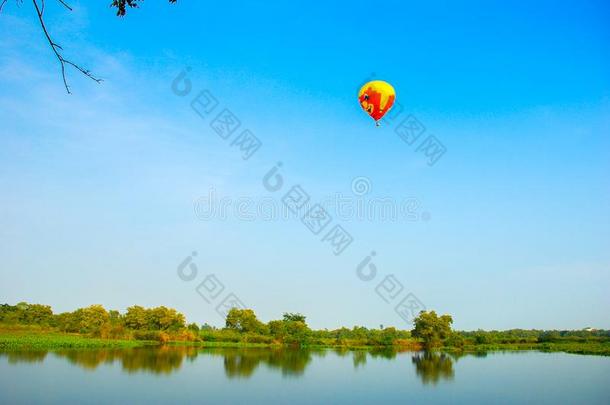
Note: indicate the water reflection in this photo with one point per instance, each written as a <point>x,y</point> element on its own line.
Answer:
<point>162,360</point>
<point>359,358</point>
<point>243,362</point>
<point>432,367</point>
<point>31,356</point>
<point>238,362</point>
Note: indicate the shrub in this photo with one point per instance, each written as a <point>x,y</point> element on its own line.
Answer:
<point>146,335</point>
<point>163,337</point>
<point>455,340</point>
<point>186,336</point>
<point>223,335</point>
<point>481,339</point>
<point>255,338</point>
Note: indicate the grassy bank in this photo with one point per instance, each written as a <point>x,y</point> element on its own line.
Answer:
<point>33,337</point>
<point>51,340</point>
<point>591,348</point>
<point>27,340</point>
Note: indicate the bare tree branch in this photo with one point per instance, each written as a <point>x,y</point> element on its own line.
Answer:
<point>55,47</point>
<point>65,5</point>
<point>39,5</point>
<point>18,2</point>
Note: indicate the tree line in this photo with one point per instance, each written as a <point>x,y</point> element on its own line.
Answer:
<point>158,323</point>
<point>163,324</point>
<point>242,325</point>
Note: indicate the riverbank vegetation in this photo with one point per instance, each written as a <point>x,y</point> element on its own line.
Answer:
<point>32,337</point>
<point>35,326</point>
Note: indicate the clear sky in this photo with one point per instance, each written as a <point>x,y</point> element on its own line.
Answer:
<point>99,188</point>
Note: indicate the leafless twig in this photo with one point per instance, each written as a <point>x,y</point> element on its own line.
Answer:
<point>56,48</point>
<point>65,5</point>
<point>39,5</point>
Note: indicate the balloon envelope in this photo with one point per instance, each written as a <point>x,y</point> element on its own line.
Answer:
<point>376,98</point>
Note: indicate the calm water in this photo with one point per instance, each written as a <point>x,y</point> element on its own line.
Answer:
<point>179,374</point>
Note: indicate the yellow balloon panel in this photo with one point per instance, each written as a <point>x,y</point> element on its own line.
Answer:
<point>376,98</point>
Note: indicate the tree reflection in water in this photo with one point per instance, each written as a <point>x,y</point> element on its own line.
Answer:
<point>238,362</point>
<point>432,367</point>
<point>161,360</point>
<point>243,362</point>
<point>359,358</point>
<point>30,356</point>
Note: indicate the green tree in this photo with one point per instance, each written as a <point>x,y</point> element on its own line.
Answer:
<point>549,336</point>
<point>455,340</point>
<point>297,333</point>
<point>290,332</point>
<point>360,333</point>
<point>289,316</point>
<point>388,336</point>
<point>69,321</point>
<point>136,318</point>
<point>8,313</point>
<point>163,318</point>
<point>115,317</point>
<point>29,314</point>
<point>93,319</point>
<point>277,329</point>
<point>244,321</point>
<point>431,328</point>
<point>481,337</point>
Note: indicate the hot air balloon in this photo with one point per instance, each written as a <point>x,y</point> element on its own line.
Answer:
<point>376,98</point>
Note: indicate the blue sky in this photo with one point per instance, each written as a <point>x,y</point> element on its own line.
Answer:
<point>98,187</point>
